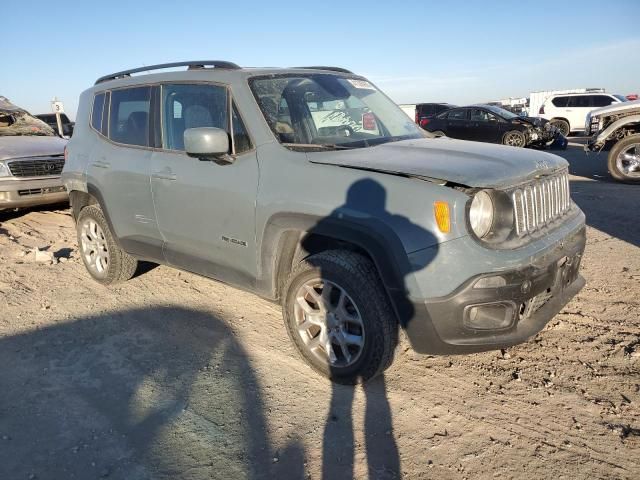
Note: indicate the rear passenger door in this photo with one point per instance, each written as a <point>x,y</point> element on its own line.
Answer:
<point>206,211</point>
<point>119,168</point>
<point>458,125</point>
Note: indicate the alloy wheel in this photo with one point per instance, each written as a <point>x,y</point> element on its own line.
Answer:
<point>628,161</point>
<point>329,323</point>
<point>514,140</point>
<point>94,247</point>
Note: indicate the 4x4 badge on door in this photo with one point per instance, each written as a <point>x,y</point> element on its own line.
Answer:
<point>235,241</point>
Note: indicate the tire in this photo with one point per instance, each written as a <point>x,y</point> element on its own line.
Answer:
<point>514,138</point>
<point>439,133</point>
<point>618,167</point>
<point>340,278</point>
<point>561,125</point>
<point>105,261</point>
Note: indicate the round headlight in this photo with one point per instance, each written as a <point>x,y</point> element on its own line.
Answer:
<point>481,214</point>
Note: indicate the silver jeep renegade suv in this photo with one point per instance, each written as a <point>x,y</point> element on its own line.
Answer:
<point>310,187</point>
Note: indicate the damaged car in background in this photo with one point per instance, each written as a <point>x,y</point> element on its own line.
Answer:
<point>617,128</point>
<point>488,123</point>
<point>31,160</point>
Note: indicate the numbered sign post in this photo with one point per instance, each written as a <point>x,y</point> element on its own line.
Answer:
<point>57,107</point>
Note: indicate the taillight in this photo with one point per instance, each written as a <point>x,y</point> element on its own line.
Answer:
<point>541,111</point>
<point>424,122</point>
<point>65,153</point>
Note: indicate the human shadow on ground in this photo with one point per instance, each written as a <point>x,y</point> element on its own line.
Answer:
<point>134,394</point>
<point>366,210</point>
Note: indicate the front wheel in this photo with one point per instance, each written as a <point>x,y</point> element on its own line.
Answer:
<point>624,159</point>
<point>339,318</point>
<point>514,138</point>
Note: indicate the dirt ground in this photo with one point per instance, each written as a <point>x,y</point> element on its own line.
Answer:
<point>175,376</point>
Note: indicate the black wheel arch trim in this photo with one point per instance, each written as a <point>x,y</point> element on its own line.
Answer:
<point>282,244</point>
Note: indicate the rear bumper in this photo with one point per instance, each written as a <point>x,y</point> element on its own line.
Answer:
<point>19,193</point>
<point>473,319</point>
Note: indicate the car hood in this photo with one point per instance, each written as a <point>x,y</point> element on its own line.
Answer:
<point>30,146</point>
<point>617,107</point>
<point>473,164</point>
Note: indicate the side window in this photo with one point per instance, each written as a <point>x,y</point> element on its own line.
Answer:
<point>129,118</point>
<point>478,115</point>
<point>241,140</point>
<point>602,101</point>
<point>560,102</point>
<point>427,110</point>
<point>579,101</point>
<point>190,106</point>
<point>457,115</point>
<point>96,112</point>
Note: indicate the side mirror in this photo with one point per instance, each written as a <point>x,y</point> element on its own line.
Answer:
<point>208,143</point>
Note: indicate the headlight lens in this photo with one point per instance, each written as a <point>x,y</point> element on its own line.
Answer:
<point>481,214</point>
<point>4,170</point>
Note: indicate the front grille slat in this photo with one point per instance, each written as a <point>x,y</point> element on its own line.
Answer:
<point>37,166</point>
<point>540,203</point>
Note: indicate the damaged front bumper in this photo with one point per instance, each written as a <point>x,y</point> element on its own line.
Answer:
<point>500,309</point>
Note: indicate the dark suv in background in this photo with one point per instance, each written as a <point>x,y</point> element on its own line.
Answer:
<point>422,112</point>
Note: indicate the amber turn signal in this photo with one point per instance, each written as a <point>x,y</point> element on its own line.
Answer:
<point>443,218</point>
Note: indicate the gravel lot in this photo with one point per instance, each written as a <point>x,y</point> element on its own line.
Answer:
<point>174,376</point>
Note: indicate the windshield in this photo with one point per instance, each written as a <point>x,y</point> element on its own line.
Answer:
<point>621,98</point>
<point>329,111</point>
<point>501,111</point>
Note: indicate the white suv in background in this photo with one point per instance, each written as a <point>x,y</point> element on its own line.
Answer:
<point>568,111</point>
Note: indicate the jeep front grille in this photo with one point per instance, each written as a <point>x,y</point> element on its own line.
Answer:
<point>37,166</point>
<point>541,202</point>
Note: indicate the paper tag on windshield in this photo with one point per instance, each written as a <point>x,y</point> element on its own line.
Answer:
<point>362,84</point>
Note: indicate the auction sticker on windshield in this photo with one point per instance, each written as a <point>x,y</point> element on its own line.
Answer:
<point>362,84</point>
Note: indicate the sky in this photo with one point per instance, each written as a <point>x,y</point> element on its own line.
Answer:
<point>415,51</point>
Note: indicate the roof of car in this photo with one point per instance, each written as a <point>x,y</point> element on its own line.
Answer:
<point>578,93</point>
<point>213,66</point>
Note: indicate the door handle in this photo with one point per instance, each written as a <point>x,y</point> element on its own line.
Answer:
<point>164,175</point>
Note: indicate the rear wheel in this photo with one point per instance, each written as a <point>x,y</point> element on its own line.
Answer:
<point>561,125</point>
<point>339,318</point>
<point>439,133</point>
<point>105,261</point>
<point>624,160</point>
<point>514,138</point>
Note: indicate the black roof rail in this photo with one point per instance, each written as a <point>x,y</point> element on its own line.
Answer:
<point>192,65</point>
<point>331,69</point>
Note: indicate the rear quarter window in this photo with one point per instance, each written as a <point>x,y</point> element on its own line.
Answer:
<point>97,111</point>
<point>560,102</point>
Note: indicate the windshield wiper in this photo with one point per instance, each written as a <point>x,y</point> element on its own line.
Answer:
<point>322,146</point>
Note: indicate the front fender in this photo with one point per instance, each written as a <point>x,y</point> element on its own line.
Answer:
<point>621,122</point>
<point>284,236</point>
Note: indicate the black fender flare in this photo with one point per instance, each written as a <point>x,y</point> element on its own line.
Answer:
<point>284,235</point>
